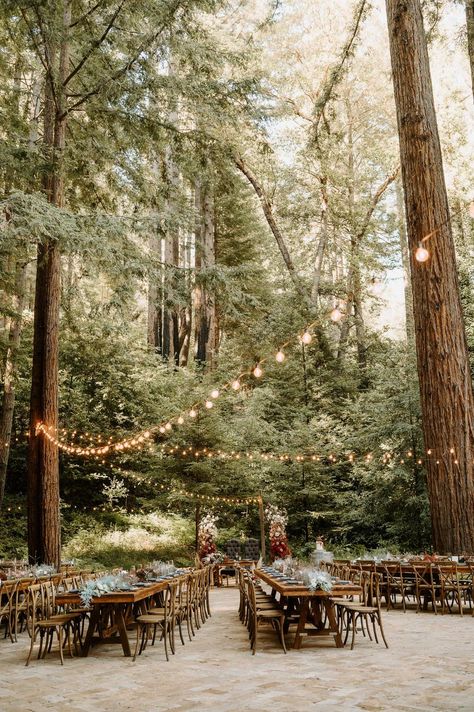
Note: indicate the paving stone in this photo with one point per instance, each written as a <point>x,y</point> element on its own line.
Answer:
<point>429,667</point>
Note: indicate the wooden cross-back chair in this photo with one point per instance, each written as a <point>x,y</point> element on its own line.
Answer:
<point>7,598</point>
<point>44,620</point>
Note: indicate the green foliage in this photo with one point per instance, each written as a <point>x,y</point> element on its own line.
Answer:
<point>130,540</point>
<point>200,81</point>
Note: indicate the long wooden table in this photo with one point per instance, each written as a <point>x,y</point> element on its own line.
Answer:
<point>112,612</point>
<point>312,605</point>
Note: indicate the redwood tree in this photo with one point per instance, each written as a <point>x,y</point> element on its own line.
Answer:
<point>442,356</point>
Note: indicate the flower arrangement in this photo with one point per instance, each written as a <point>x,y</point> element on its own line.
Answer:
<point>277,519</point>
<point>317,580</point>
<point>216,558</point>
<point>207,533</point>
<point>43,570</point>
<point>101,586</point>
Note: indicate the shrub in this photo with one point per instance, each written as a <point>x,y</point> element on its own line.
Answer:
<point>140,538</point>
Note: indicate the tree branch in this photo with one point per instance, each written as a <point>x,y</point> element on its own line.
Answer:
<point>374,202</point>
<point>267,208</point>
<point>95,45</point>
<point>86,14</point>
<point>125,68</point>
<point>336,74</point>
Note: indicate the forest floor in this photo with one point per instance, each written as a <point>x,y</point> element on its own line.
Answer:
<point>429,666</point>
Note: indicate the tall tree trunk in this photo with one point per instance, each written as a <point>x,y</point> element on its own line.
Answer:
<point>354,283</point>
<point>323,238</point>
<point>153,301</point>
<point>206,331</point>
<point>186,316</point>
<point>447,400</point>
<point>9,375</point>
<point>470,37</point>
<point>408,294</point>
<point>44,531</point>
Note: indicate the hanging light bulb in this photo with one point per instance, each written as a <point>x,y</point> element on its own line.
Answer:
<point>162,429</point>
<point>168,426</point>
<point>257,372</point>
<point>180,420</point>
<point>421,254</point>
<point>192,413</point>
<point>236,384</point>
<point>280,357</point>
<point>215,393</point>
<point>471,209</point>
<point>306,338</point>
<point>336,314</point>
<point>209,404</point>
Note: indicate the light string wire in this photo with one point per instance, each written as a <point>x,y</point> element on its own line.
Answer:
<point>111,446</point>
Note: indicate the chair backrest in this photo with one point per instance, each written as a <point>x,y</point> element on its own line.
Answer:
<point>423,574</point>
<point>7,596</point>
<point>251,549</point>
<point>374,589</point>
<point>35,605</point>
<point>232,548</point>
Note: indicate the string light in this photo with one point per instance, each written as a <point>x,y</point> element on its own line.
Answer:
<point>209,404</point>
<point>422,254</point>
<point>386,458</point>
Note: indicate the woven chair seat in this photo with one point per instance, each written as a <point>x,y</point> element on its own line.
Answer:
<point>269,613</point>
<point>147,618</point>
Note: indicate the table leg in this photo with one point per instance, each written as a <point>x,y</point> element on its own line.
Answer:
<point>122,629</point>
<point>332,623</point>
<point>301,623</point>
<point>93,621</point>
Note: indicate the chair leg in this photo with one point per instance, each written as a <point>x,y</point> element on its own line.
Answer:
<point>32,644</point>
<point>60,638</point>
<point>352,618</point>
<point>280,623</point>
<point>379,621</point>
<point>165,636</point>
<point>180,628</point>
<point>137,641</point>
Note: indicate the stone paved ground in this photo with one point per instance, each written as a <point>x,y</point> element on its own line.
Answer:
<point>429,666</point>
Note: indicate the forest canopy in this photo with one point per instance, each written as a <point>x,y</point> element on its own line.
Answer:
<point>193,190</point>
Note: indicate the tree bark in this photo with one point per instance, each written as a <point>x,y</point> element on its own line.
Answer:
<point>170,348</point>
<point>44,530</point>
<point>322,242</point>
<point>447,400</point>
<point>470,37</point>
<point>206,332</point>
<point>153,302</point>
<point>9,375</point>
<point>408,294</point>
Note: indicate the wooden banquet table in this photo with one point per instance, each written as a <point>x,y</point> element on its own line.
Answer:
<point>312,606</point>
<point>113,612</point>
